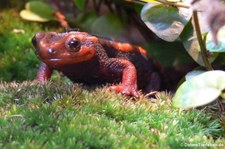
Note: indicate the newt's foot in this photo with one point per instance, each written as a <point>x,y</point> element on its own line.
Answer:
<point>127,90</point>
<point>39,81</point>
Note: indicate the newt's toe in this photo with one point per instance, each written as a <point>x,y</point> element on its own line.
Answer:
<point>126,90</point>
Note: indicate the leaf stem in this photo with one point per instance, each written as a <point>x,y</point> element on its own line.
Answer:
<point>200,41</point>
<point>177,4</point>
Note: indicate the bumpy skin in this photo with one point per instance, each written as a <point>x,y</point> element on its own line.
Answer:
<point>88,59</point>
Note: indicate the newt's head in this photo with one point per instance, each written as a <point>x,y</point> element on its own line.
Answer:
<point>64,48</point>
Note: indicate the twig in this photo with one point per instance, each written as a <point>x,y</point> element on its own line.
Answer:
<point>109,5</point>
<point>201,42</point>
<point>178,4</point>
<point>135,1</point>
<point>97,5</point>
<point>62,19</point>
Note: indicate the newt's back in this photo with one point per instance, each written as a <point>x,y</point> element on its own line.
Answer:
<point>136,54</point>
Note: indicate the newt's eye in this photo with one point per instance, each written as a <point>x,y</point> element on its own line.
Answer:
<point>73,44</point>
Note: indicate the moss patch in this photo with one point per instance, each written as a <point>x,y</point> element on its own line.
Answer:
<point>59,115</point>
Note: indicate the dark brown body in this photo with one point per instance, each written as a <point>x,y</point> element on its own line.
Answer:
<point>91,60</point>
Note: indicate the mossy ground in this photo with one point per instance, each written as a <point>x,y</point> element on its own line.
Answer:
<point>61,114</point>
<point>64,115</point>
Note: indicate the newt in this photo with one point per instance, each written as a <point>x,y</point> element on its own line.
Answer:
<point>89,59</point>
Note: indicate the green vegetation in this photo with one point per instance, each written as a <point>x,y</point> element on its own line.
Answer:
<point>36,116</point>
<point>203,40</point>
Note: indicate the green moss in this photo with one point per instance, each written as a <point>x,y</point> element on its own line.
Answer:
<point>60,115</point>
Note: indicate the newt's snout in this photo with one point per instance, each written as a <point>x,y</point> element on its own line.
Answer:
<point>36,39</point>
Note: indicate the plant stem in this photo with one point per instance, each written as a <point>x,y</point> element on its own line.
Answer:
<point>201,42</point>
<point>177,4</point>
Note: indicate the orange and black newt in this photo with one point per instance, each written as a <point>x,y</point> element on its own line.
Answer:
<point>88,59</point>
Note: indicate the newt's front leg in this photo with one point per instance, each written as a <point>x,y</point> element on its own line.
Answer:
<point>44,73</point>
<point>127,71</point>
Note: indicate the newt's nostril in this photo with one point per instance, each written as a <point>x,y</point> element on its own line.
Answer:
<point>51,51</point>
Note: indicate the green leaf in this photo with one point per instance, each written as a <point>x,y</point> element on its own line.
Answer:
<point>193,74</point>
<point>28,15</point>
<point>166,22</point>
<point>109,24</point>
<point>150,1</point>
<point>85,19</point>
<point>40,8</point>
<point>168,54</point>
<point>37,11</point>
<point>80,4</point>
<point>200,90</point>
<point>210,44</point>
<point>220,60</point>
<point>192,46</point>
<point>174,1</point>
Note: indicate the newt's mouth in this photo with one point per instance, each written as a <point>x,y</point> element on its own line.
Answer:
<point>67,61</point>
<point>55,60</point>
<point>59,61</point>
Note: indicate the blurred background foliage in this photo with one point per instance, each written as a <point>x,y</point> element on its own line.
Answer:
<point>114,19</point>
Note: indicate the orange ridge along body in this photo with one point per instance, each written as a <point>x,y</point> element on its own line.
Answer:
<point>88,59</point>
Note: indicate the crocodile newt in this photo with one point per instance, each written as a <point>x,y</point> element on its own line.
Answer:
<point>89,59</point>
